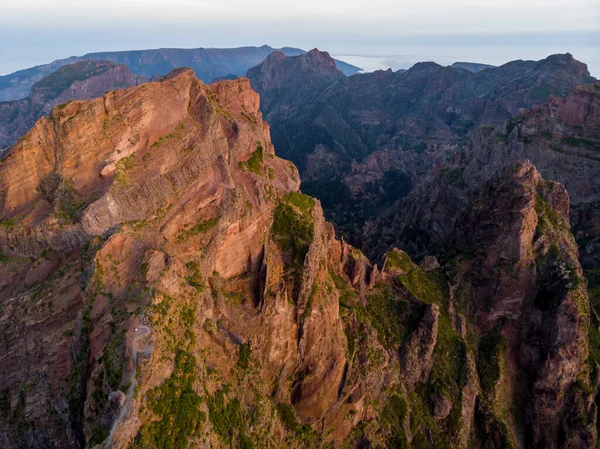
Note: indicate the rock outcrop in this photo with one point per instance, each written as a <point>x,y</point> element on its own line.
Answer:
<point>364,142</point>
<point>561,138</point>
<point>531,305</point>
<point>416,357</point>
<point>78,81</point>
<point>164,284</point>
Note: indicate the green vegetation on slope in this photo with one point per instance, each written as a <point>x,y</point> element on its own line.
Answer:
<point>176,405</point>
<point>200,227</point>
<point>288,418</point>
<point>55,83</point>
<point>255,163</point>
<point>293,231</point>
<point>399,259</point>
<point>228,420</point>
<point>489,366</point>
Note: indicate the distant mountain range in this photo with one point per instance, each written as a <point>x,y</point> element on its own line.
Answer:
<point>363,142</point>
<point>209,64</point>
<point>472,66</point>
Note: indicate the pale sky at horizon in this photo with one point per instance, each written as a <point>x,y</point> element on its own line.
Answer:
<point>37,31</point>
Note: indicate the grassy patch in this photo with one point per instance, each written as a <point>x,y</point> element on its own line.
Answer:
<point>428,286</point>
<point>112,361</point>
<point>244,355</point>
<point>448,377</point>
<point>303,202</point>
<point>593,277</point>
<point>123,167</point>
<point>227,419</point>
<point>222,111</point>
<point>200,227</point>
<point>391,316</point>
<point>61,106</point>
<point>293,232</point>
<point>176,405</point>
<point>399,259</point>
<point>305,433</point>
<point>162,140</point>
<point>393,414</point>
<point>489,363</point>
<point>195,278</point>
<point>255,163</point>
<point>347,293</point>
<point>7,224</point>
<point>66,206</point>
<point>57,82</point>
<point>548,218</point>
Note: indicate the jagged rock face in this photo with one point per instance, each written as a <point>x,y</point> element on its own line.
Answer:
<point>278,80</point>
<point>167,196</point>
<point>529,299</point>
<point>516,283</point>
<point>416,357</point>
<point>561,138</point>
<point>365,141</point>
<point>165,284</point>
<point>78,81</point>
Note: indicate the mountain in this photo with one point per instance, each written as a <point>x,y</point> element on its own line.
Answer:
<point>164,283</point>
<point>78,81</point>
<point>562,139</point>
<point>209,64</point>
<point>472,66</point>
<point>365,141</point>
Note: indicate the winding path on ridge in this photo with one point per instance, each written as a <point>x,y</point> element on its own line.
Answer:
<point>142,331</point>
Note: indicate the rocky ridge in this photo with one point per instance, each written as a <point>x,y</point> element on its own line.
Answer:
<point>78,81</point>
<point>164,204</point>
<point>365,141</point>
<point>209,64</point>
<point>562,139</point>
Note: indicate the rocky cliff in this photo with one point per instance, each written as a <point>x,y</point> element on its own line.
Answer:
<point>365,141</point>
<point>562,139</point>
<point>78,81</point>
<point>165,284</point>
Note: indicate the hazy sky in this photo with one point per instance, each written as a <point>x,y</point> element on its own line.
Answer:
<point>39,31</point>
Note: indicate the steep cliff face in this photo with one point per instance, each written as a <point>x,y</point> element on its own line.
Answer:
<point>365,141</point>
<point>529,305</point>
<point>165,284</point>
<point>165,199</point>
<point>79,81</point>
<point>561,138</point>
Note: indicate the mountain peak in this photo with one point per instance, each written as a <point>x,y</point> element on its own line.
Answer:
<point>316,53</point>
<point>180,72</point>
<point>320,61</point>
<point>567,63</point>
<point>293,73</point>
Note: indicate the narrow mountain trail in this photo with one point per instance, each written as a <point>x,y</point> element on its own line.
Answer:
<point>142,331</point>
